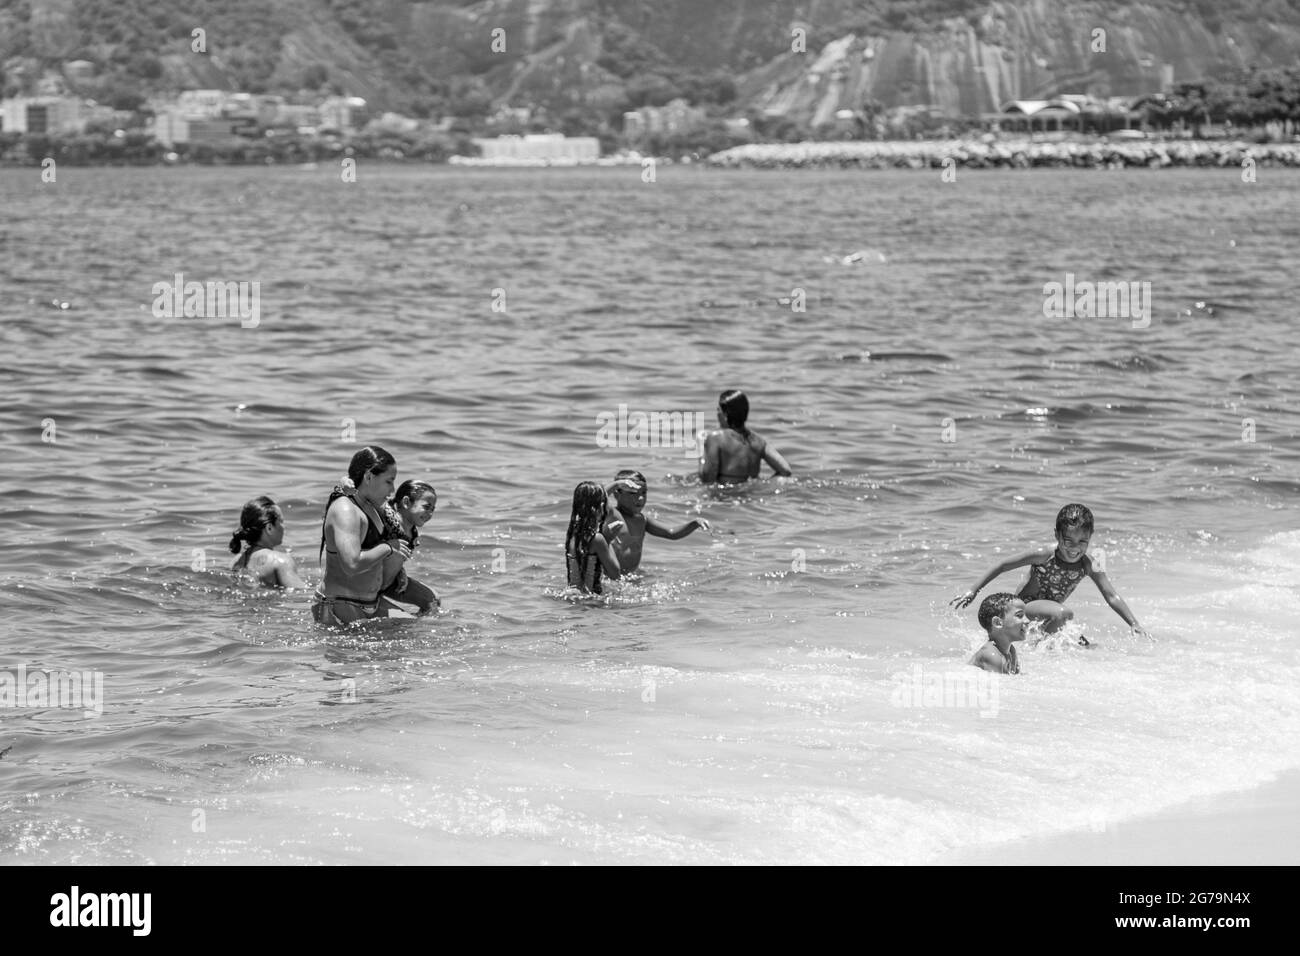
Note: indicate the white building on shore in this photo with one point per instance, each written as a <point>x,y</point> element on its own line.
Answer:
<point>49,115</point>
<point>538,149</point>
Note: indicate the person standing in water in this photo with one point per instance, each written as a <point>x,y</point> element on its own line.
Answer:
<point>625,527</point>
<point>355,540</point>
<point>586,552</point>
<point>260,532</point>
<point>734,453</point>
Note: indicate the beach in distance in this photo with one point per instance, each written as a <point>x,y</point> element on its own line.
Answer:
<point>790,688</point>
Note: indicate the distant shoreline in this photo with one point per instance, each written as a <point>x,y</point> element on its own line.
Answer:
<point>848,154</point>
<point>1007,154</point>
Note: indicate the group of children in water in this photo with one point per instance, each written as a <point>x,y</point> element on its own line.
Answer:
<point>607,541</point>
<point>370,530</point>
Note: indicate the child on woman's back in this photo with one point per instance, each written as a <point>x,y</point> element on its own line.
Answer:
<point>410,508</point>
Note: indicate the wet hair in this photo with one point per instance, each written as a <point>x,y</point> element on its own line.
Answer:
<point>589,504</point>
<point>257,515</point>
<point>371,460</point>
<point>629,473</point>
<point>995,605</point>
<point>735,408</point>
<point>1073,516</point>
<point>415,490</point>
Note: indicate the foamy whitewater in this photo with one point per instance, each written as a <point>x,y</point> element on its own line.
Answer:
<point>790,689</point>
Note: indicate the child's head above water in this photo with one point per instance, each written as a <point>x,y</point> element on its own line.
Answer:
<point>415,500</point>
<point>1003,615</point>
<point>629,500</point>
<point>1073,531</point>
<point>260,517</point>
<point>589,507</point>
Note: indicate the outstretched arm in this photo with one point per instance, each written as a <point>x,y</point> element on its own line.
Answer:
<point>1115,601</point>
<point>659,531</point>
<point>1033,557</point>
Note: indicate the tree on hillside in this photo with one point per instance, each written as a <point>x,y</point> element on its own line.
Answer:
<point>651,89</point>
<point>315,76</point>
<point>717,87</point>
<point>625,53</point>
<point>469,97</point>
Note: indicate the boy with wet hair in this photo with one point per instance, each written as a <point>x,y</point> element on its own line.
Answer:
<point>626,527</point>
<point>1003,618</point>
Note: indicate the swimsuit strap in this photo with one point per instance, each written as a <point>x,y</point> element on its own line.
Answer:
<point>384,523</point>
<point>335,495</point>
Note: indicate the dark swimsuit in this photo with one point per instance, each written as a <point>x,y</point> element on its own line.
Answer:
<point>583,570</point>
<point>1053,580</point>
<point>373,538</point>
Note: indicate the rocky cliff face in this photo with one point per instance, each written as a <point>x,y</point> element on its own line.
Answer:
<point>1018,50</point>
<point>962,56</point>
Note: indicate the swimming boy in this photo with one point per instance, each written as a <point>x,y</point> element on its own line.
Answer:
<point>626,527</point>
<point>1054,573</point>
<point>1003,618</point>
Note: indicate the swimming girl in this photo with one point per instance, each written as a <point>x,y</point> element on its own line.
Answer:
<point>409,510</point>
<point>734,453</point>
<point>586,552</point>
<point>261,530</point>
<point>355,541</point>
<point>1054,573</point>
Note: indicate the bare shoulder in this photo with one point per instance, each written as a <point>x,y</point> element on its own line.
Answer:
<point>988,658</point>
<point>342,509</point>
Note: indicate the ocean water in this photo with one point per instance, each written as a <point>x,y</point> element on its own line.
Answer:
<point>787,689</point>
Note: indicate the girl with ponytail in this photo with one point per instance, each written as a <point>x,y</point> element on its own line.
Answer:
<point>260,532</point>
<point>734,453</point>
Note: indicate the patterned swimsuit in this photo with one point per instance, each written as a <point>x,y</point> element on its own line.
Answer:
<point>1053,580</point>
